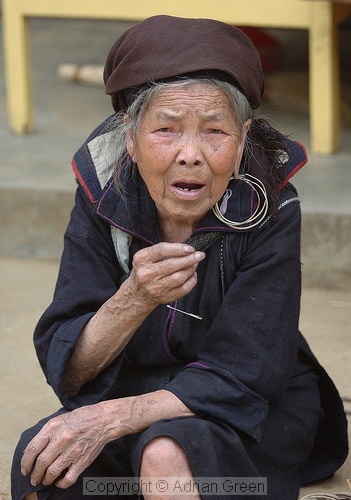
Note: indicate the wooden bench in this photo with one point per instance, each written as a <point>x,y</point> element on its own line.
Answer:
<point>320,17</point>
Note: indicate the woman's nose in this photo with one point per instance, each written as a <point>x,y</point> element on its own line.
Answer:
<point>190,152</point>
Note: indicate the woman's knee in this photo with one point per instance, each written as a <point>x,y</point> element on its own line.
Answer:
<point>164,456</point>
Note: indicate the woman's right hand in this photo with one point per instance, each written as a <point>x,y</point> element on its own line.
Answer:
<point>164,273</point>
<point>161,274</point>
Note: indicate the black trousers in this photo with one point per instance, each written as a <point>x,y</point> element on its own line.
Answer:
<point>214,449</point>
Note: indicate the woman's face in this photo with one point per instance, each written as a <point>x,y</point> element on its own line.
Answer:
<point>187,147</point>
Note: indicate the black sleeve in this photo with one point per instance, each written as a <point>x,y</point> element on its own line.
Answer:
<point>88,276</point>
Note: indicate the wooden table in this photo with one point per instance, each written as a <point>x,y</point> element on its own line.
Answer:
<point>320,17</point>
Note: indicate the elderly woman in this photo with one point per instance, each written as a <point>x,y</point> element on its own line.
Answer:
<point>172,340</point>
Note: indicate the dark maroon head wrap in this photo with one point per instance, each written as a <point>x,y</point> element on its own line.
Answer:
<point>164,47</point>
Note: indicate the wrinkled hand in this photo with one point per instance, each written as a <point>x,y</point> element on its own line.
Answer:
<point>69,441</point>
<point>164,272</point>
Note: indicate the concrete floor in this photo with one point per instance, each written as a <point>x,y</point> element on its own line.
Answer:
<point>36,167</point>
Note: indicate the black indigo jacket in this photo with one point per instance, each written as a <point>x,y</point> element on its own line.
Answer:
<point>236,360</point>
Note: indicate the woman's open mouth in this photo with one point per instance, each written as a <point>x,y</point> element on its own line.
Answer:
<point>188,190</point>
<point>188,187</point>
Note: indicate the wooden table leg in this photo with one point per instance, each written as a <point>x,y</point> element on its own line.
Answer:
<point>17,68</point>
<point>324,78</point>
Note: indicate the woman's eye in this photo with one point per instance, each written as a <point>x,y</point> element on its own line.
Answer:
<point>216,131</point>
<point>164,130</point>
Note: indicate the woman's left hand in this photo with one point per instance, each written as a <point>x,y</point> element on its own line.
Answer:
<point>69,441</point>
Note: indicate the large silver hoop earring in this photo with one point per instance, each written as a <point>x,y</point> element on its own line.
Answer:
<point>260,212</point>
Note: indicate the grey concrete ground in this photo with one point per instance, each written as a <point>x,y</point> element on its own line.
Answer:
<point>36,194</point>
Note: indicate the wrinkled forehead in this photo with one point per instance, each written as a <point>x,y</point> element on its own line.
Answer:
<point>176,101</point>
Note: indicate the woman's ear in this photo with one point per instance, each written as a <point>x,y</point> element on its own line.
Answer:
<point>247,126</point>
<point>130,146</point>
<point>130,143</point>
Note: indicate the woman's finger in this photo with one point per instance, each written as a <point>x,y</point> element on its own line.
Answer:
<point>163,260</point>
<point>78,466</point>
<point>164,250</point>
<point>32,451</point>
